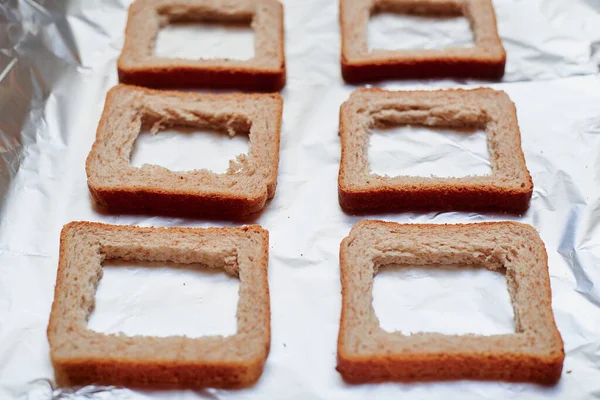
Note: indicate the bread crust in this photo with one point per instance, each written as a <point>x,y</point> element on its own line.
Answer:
<point>375,192</point>
<point>265,72</point>
<point>497,357</point>
<point>169,374</point>
<point>442,67</point>
<point>182,203</point>
<point>207,77</point>
<point>146,364</point>
<point>162,196</point>
<point>442,198</point>
<point>444,367</point>
<point>486,59</point>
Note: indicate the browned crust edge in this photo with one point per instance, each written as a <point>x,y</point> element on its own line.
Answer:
<point>191,204</point>
<point>492,68</point>
<point>448,197</point>
<point>217,78</point>
<point>117,372</point>
<point>171,203</point>
<point>441,367</point>
<point>444,367</point>
<point>155,372</point>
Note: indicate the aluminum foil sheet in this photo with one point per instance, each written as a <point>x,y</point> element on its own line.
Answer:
<point>57,61</point>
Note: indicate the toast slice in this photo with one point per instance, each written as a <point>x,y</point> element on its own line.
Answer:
<point>508,188</point>
<point>243,189</point>
<point>486,59</point>
<point>367,353</point>
<point>138,65</point>
<point>82,356</point>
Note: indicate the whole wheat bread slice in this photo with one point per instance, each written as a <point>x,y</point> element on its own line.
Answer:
<point>486,59</point>
<point>139,65</point>
<point>83,356</point>
<point>508,188</point>
<point>250,180</point>
<point>367,353</point>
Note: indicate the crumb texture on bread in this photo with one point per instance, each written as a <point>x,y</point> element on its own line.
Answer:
<point>367,353</point>
<point>486,59</point>
<point>264,72</point>
<point>250,180</point>
<point>508,188</point>
<point>83,356</point>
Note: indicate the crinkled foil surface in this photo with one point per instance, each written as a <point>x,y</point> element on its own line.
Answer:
<point>57,61</point>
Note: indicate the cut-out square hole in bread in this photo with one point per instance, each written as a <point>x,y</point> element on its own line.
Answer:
<point>486,59</point>
<point>447,299</point>
<point>139,65</point>
<point>205,40</point>
<point>417,150</point>
<point>508,188</point>
<point>367,353</point>
<point>146,298</point>
<point>83,356</point>
<point>185,148</point>
<point>250,180</point>
<point>394,31</point>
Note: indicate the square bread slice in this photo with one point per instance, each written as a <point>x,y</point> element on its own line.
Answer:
<point>508,188</point>
<point>83,356</point>
<point>138,65</point>
<point>250,180</point>
<point>486,59</point>
<point>367,353</point>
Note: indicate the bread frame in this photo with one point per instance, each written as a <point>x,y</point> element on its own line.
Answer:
<point>264,72</point>
<point>486,59</point>
<point>212,193</point>
<point>83,356</point>
<point>367,353</point>
<point>508,188</point>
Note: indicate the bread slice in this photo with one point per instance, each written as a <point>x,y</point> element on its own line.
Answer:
<point>250,180</point>
<point>139,65</point>
<point>508,188</point>
<point>486,59</point>
<point>83,356</point>
<point>367,353</point>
